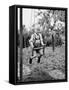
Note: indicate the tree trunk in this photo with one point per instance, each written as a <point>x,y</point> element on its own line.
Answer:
<point>53,43</point>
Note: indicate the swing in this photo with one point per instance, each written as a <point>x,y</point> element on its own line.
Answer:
<point>36,48</point>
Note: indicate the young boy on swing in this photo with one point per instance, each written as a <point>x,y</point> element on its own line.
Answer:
<point>36,41</point>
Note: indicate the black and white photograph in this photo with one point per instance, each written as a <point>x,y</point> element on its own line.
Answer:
<point>41,44</point>
<point>34,45</point>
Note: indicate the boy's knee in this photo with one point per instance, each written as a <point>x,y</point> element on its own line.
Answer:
<point>41,51</point>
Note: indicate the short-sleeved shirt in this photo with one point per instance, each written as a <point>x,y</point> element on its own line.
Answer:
<point>36,39</point>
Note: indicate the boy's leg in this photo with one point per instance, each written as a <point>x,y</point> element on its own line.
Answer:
<point>41,53</point>
<point>33,55</point>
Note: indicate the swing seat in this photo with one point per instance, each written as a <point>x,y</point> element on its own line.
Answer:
<point>39,47</point>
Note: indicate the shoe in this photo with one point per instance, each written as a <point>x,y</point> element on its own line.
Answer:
<point>39,59</point>
<point>30,61</point>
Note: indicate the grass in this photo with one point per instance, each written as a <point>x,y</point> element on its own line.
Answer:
<point>51,66</point>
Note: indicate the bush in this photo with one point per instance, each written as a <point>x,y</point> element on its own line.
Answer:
<point>57,40</point>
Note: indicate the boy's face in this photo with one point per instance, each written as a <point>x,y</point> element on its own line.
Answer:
<point>37,30</point>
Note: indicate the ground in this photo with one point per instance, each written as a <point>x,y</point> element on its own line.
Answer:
<point>51,66</point>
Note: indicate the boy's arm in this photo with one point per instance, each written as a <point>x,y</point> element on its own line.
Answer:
<point>41,39</point>
<point>31,41</point>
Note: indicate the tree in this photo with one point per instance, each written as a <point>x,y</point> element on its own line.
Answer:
<point>48,21</point>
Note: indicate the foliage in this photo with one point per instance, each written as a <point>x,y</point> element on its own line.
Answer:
<point>45,25</point>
